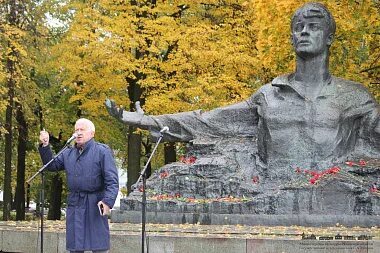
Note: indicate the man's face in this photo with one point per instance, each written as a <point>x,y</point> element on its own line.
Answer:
<point>310,36</point>
<point>84,133</point>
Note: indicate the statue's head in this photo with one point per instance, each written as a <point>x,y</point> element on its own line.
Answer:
<point>315,10</point>
<point>313,28</point>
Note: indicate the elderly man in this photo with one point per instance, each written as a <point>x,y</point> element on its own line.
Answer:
<point>307,118</point>
<point>92,180</point>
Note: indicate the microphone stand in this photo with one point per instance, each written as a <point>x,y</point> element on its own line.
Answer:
<point>42,191</point>
<point>143,200</point>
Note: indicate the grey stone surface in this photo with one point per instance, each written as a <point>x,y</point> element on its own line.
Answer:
<point>283,246</point>
<point>61,242</point>
<point>28,241</point>
<point>128,242</point>
<point>164,244</point>
<point>125,243</point>
<point>246,219</point>
<point>289,246</point>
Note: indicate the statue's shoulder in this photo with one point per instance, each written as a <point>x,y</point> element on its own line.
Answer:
<point>275,83</point>
<point>282,79</point>
<point>348,84</point>
<point>268,89</point>
<point>351,87</point>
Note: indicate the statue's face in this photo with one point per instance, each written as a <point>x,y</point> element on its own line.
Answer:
<point>84,133</point>
<point>310,36</point>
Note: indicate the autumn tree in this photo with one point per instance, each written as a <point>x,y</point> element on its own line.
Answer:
<point>12,53</point>
<point>21,27</point>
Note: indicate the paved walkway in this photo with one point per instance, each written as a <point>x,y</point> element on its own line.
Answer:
<point>232,231</point>
<point>173,238</point>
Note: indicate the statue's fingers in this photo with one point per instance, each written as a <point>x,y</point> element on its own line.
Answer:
<point>138,108</point>
<point>120,112</point>
<point>111,106</point>
<point>109,103</point>
<point>113,103</point>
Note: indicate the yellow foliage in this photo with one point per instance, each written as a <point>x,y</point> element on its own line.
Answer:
<point>208,54</point>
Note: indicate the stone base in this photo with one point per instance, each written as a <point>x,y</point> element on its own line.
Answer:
<point>246,219</point>
<point>224,182</point>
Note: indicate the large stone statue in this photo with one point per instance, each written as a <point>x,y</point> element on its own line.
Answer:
<point>290,147</point>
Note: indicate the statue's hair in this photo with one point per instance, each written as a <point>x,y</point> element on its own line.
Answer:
<point>87,122</point>
<point>313,9</point>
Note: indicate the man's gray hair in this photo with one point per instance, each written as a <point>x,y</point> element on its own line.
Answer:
<point>87,122</point>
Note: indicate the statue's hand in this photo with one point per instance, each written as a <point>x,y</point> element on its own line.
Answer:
<point>138,108</point>
<point>114,110</point>
<point>130,118</point>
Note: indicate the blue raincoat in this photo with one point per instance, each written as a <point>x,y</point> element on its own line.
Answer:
<point>91,177</point>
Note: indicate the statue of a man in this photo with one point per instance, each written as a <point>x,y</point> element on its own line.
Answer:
<point>308,118</point>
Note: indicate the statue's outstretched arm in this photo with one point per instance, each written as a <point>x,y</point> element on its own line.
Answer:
<point>136,118</point>
<point>233,120</point>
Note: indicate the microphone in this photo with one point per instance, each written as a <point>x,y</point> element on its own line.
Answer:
<point>164,130</point>
<point>75,135</point>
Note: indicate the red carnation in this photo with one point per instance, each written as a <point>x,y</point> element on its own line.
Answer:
<point>313,180</point>
<point>314,173</point>
<point>333,170</point>
<point>164,174</point>
<point>188,160</point>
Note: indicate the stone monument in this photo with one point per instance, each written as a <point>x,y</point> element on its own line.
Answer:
<point>302,150</point>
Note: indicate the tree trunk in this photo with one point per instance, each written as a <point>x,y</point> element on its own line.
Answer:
<point>148,150</point>
<point>7,197</point>
<point>134,140</point>
<point>56,184</point>
<point>55,198</point>
<point>11,71</point>
<point>170,154</point>
<point>134,154</point>
<point>21,154</point>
